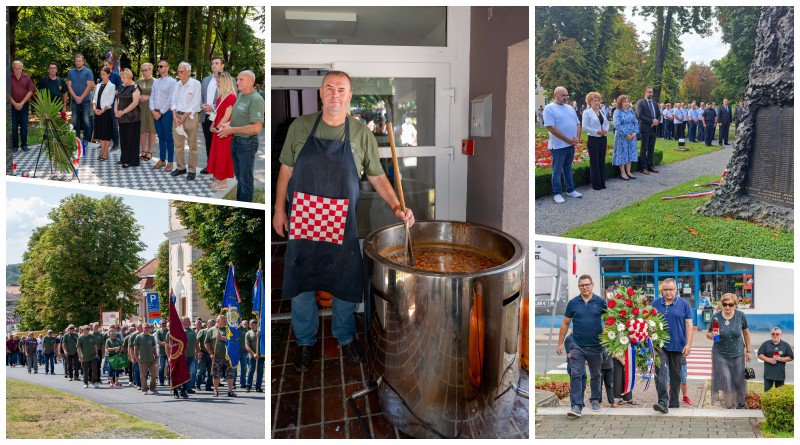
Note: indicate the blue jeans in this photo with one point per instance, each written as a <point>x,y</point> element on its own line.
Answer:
<point>305,319</point>
<point>50,363</point>
<point>692,131</point>
<point>166,145</point>
<point>204,371</point>
<point>137,380</point>
<point>191,363</point>
<point>82,119</point>
<point>255,364</point>
<point>243,151</point>
<point>162,364</point>
<point>243,363</point>
<point>562,165</point>
<point>19,127</point>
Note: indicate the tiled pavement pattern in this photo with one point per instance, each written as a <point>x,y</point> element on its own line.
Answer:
<point>109,173</point>
<point>613,427</point>
<point>647,398</point>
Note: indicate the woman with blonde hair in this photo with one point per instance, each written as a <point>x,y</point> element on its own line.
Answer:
<point>147,129</point>
<point>104,93</point>
<point>626,126</point>
<point>128,115</point>
<point>220,161</point>
<point>595,123</point>
<point>729,326</point>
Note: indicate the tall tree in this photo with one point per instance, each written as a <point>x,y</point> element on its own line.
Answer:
<point>738,24</point>
<point>75,266</point>
<point>625,62</point>
<point>209,27</point>
<point>161,279</point>
<point>698,83</point>
<point>566,66</point>
<point>116,26</point>
<point>187,32</point>
<point>672,68</point>
<point>668,21</point>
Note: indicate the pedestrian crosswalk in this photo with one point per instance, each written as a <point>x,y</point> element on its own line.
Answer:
<point>698,364</point>
<point>560,369</point>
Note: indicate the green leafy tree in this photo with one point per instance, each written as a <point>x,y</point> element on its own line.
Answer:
<point>224,235</point>
<point>161,280</point>
<point>566,66</point>
<point>668,76</point>
<point>75,266</point>
<point>625,62</point>
<point>738,24</point>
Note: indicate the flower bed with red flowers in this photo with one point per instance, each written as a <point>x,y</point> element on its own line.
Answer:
<point>560,389</point>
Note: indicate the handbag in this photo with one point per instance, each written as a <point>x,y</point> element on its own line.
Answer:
<point>749,373</point>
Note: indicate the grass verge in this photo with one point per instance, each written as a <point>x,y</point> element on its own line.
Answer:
<point>773,434</point>
<point>673,224</point>
<point>38,412</point>
<point>259,195</point>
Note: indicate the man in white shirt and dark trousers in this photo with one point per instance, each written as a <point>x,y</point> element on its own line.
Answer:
<point>209,90</point>
<point>186,100</point>
<point>160,108</point>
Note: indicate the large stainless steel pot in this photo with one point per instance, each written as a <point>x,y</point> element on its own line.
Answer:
<point>426,329</point>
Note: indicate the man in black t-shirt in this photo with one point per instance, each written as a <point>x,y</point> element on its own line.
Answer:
<point>56,86</point>
<point>775,353</point>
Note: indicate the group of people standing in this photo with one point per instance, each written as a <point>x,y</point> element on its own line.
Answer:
<point>87,352</point>
<point>730,351</point>
<point>644,122</point>
<point>118,111</point>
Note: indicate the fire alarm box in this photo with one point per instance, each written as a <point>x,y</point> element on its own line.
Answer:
<point>481,116</point>
<point>467,147</point>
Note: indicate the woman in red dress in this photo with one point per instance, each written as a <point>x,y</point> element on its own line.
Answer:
<point>220,162</point>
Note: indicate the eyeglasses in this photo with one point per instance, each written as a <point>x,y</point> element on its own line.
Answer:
<point>584,285</point>
<point>728,305</point>
<point>775,334</point>
<point>162,66</point>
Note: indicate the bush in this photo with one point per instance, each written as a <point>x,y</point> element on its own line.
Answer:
<point>560,389</point>
<point>580,175</point>
<point>778,407</point>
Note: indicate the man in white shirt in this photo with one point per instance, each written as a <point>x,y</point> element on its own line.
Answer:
<point>565,130</point>
<point>209,90</point>
<point>186,101</point>
<point>161,109</point>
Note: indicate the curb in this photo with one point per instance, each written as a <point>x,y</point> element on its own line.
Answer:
<point>649,412</point>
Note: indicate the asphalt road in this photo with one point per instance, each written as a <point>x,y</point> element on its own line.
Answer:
<point>202,416</point>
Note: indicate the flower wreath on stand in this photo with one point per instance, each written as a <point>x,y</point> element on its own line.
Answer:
<point>635,332</point>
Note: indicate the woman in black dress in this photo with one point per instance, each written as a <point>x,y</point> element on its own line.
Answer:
<point>127,112</point>
<point>103,124</point>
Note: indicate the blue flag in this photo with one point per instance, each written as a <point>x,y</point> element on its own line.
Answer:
<point>258,310</point>
<point>230,307</point>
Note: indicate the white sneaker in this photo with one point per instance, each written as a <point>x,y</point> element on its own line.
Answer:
<point>85,386</point>
<point>558,199</point>
<point>574,194</point>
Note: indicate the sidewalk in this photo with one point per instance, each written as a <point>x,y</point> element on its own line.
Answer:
<point>555,219</point>
<point>699,339</point>
<point>666,426</point>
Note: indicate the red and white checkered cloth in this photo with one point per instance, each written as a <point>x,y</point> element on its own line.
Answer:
<point>318,219</point>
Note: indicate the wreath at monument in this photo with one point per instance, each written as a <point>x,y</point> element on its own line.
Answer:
<point>58,136</point>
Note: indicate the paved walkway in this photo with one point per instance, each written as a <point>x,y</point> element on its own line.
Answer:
<point>663,426</point>
<point>109,173</point>
<point>201,416</point>
<point>555,219</point>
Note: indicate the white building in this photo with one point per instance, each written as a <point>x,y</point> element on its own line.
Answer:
<point>181,255</point>
<point>12,299</point>
<point>765,293</point>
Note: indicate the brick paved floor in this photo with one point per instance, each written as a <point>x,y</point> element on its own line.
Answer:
<point>607,427</point>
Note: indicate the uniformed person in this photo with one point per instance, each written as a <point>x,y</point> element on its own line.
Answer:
<point>87,352</point>
<point>69,344</point>
<point>49,351</point>
<point>709,119</point>
<point>244,328</point>
<point>145,351</point>
<point>162,335</point>
<point>325,155</point>
<point>255,357</point>
<point>191,357</point>
<point>137,382</point>
<point>220,363</point>
<point>101,344</point>
<point>113,347</point>
<point>204,367</point>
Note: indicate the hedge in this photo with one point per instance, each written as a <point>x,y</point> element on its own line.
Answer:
<point>778,407</point>
<point>580,175</point>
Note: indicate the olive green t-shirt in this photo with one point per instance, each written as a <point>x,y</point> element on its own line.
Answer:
<point>113,343</point>
<point>70,342</point>
<point>99,340</point>
<point>252,341</point>
<point>201,338</point>
<point>363,144</point>
<point>248,109</point>
<point>191,342</point>
<point>87,344</point>
<point>147,347</point>
<point>48,345</point>
<point>132,341</point>
<point>211,338</point>
<point>162,335</point>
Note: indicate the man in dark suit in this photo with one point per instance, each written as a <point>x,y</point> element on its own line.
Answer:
<point>648,113</point>
<point>738,113</point>
<point>724,118</point>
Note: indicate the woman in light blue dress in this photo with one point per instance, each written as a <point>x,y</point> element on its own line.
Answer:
<point>625,128</point>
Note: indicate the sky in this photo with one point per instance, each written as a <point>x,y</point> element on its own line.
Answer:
<point>695,48</point>
<point>27,206</point>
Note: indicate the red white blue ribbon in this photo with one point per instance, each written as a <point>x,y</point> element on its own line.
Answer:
<point>689,195</point>
<point>630,369</point>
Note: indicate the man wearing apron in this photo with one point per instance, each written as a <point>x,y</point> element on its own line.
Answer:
<point>322,161</point>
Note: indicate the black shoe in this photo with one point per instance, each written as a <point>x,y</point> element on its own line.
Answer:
<point>184,395</point>
<point>247,390</point>
<point>175,395</point>
<point>259,390</point>
<point>302,358</point>
<point>232,394</point>
<point>178,172</point>
<point>660,408</point>
<point>190,391</point>
<point>353,351</point>
<point>190,177</point>
<point>203,172</point>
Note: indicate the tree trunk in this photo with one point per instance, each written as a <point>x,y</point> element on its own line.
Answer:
<point>151,37</point>
<point>13,17</point>
<point>164,33</point>
<point>116,26</point>
<point>209,27</point>
<point>187,32</point>
<point>199,50</point>
<point>224,37</point>
<point>662,45</point>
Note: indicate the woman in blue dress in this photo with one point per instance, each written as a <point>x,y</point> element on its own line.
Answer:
<point>625,128</point>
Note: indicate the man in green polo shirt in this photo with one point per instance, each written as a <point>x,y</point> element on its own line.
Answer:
<point>145,351</point>
<point>132,355</point>
<point>162,335</point>
<point>113,347</point>
<point>247,120</point>
<point>204,377</point>
<point>221,364</point>
<point>69,344</point>
<point>87,351</point>
<point>191,361</point>
<point>49,351</point>
<point>254,357</point>
<point>99,339</point>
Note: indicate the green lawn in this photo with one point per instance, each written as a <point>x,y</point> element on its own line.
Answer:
<point>38,412</point>
<point>258,195</point>
<point>673,224</point>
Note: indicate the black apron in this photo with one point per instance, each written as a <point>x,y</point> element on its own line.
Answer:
<point>323,253</point>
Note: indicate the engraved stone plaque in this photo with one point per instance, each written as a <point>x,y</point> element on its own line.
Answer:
<point>771,173</point>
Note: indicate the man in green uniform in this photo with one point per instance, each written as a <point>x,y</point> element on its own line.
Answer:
<point>191,362</point>
<point>242,370</point>
<point>145,352</point>
<point>49,351</point>
<point>99,339</point>
<point>255,357</point>
<point>113,347</point>
<point>132,355</point>
<point>220,363</point>
<point>69,344</point>
<point>162,335</point>
<point>204,367</point>
<point>87,352</point>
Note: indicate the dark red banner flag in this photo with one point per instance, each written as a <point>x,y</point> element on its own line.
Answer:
<point>176,352</point>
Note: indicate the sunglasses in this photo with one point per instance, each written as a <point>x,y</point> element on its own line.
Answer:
<point>162,66</point>
<point>728,305</point>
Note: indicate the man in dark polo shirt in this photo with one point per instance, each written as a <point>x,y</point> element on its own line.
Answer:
<point>678,314</point>
<point>775,353</point>
<point>56,86</point>
<point>585,313</point>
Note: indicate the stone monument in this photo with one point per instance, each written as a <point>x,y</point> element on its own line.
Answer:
<point>759,185</point>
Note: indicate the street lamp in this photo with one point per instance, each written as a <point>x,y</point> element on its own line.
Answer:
<point>120,297</point>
